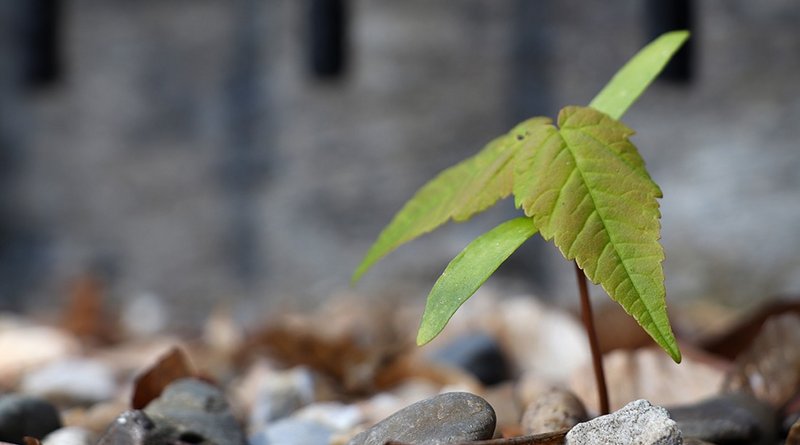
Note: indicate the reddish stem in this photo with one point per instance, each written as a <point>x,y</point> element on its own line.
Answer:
<point>597,356</point>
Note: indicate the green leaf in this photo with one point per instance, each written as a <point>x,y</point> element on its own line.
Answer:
<point>630,81</point>
<point>468,271</point>
<point>457,193</point>
<point>586,187</point>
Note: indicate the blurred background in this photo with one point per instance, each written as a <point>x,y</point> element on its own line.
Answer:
<point>192,152</point>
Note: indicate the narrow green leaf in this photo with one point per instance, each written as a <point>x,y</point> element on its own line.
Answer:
<point>630,81</point>
<point>468,271</point>
<point>457,193</point>
<point>586,187</point>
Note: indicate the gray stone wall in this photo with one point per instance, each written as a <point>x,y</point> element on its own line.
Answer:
<point>188,152</point>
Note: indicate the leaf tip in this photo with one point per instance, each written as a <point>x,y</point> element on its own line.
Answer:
<point>675,353</point>
<point>366,264</point>
<point>356,275</point>
<point>681,34</point>
<point>424,336</point>
<point>670,345</point>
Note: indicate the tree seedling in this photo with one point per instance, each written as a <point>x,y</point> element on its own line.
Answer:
<point>581,183</point>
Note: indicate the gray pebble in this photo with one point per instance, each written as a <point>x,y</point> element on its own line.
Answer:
<point>280,395</point>
<point>26,416</point>
<point>445,418</point>
<point>728,418</point>
<point>637,423</point>
<point>293,431</point>
<point>130,428</point>
<point>195,412</point>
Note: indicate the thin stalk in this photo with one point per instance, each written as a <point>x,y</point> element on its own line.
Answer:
<point>597,357</point>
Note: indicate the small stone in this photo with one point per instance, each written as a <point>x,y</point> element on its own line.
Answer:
<point>477,353</point>
<point>553,410</point>
<point>28,347</point>
<point>279,394</point>
<point>293,431</point>
<point>195,412</point>
<point>728,418</point>
<point>130,428</point>
<point>446,418</point>
<point>336,415</point>
<point>72,381</point>
<point>22,416</point>
<point>637,423</point>
<point>71,435</point>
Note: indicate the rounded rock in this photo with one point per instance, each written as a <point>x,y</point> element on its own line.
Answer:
<point>196,412</point>
<point>130,428</point>
<point>728,418</point>
<point>553,410</point>
<point>22,416</point>
<point>446,418</point>
<point>279,394</point>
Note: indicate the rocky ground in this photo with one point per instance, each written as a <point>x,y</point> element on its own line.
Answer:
<point>507,371</point>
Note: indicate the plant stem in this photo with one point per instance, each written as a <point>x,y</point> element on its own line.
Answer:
<point>597,357</point>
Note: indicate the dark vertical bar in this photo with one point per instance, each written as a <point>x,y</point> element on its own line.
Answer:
<point>42,64</point>
<point>23,258</point>
<point>531,82</point>
<point>327,38</point>
<point>669,15</point>
<point>243,165</point>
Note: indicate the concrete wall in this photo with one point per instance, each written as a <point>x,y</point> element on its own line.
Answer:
<point>188,152</point>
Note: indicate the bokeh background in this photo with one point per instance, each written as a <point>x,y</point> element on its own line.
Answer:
<point>198,152</point>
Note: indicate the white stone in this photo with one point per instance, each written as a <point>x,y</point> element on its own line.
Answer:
<point>26,347</point>
<point>336,415</point>
<point>71,435</point>
<point>637,423</point>
<point>270,394</point>
<point>78,380</point>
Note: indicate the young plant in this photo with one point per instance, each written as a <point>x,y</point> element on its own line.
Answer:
<point>581,183</point>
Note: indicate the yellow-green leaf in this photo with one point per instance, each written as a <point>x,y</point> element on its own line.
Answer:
<point>457,193</point>
<point>632,79</point>
<point>585,186</point>
<point>468,271</point>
